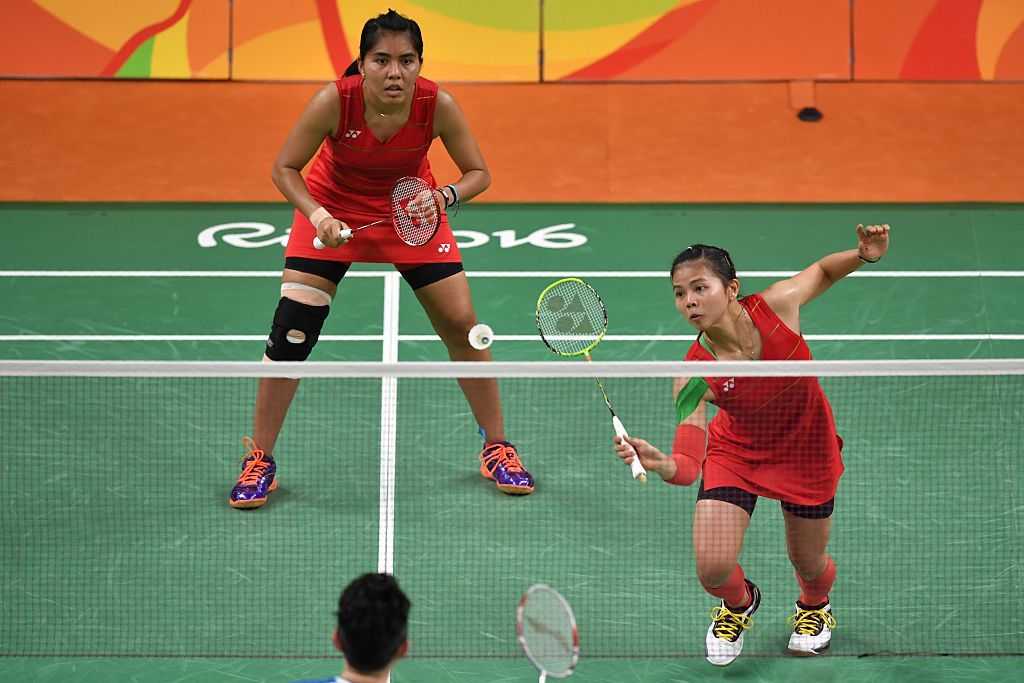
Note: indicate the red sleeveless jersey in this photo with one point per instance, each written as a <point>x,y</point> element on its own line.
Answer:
<point>772,436</point>
<point>353,175</point>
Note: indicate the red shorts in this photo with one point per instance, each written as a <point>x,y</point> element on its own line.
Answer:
<point>779,478</point>
<point>378,244</point>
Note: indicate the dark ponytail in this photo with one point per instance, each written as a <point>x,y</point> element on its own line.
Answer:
<point>352,70</point>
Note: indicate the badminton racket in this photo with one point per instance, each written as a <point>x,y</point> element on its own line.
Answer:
<point>415,214</point>
<point>547,631</point>
<point>572,321</point>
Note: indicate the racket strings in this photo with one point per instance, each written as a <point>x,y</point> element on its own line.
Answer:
<point>571,318</point>
<point>415,211</point>
<point>548,633</point>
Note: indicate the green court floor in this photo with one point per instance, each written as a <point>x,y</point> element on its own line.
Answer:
<point>951,287</point>
<point>824,670</point>
<point>108,577</point>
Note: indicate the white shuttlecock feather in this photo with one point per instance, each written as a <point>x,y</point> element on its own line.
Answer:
<point>481,336</point>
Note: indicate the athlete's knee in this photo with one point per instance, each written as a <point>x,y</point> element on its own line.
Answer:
<point>454,329</point>
<point>715,571</point>
<point>809,565</point>
<point>297,325</point>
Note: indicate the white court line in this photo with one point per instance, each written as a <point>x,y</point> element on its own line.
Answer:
<point>497,337</point>
<point>748,273</point>
<point>174,337</point>
<point>543,370</point>
<point>808,337</point>
<point>388,428</point>
<point>494,273</point>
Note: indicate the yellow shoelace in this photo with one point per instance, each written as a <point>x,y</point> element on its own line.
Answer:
<point>728,623</point>
<point>807,622</point>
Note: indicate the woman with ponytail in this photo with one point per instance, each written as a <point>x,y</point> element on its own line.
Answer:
<point>371,127</point>
<point>773,437</point>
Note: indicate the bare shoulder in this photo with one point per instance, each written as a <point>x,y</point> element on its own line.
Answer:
<point>324,108</point>
<point>444,98</point>
<point>448,117</point>
<point>781,297</point>
<point>327,97</point>
<point>446,107</point>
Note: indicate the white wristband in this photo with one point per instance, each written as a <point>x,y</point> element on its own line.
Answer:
<point>318,215</point>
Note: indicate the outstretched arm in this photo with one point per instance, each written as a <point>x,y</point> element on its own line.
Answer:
<point>786,297</point>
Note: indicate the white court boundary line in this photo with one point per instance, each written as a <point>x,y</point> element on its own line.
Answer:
<point>388,429</point>
<point>390,275</point>
<point>535,369</point>
<point>497,337</point>
<point>494,273</point>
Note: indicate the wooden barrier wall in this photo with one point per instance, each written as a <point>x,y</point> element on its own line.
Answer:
<point>885,142</point>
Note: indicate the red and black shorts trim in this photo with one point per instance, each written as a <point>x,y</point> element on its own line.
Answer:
<point>416,274</point>
<point>747,501</point>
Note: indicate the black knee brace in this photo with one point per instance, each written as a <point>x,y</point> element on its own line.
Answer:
<point>291,316</point>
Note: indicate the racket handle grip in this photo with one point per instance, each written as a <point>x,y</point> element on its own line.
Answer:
<point>639,473</point>
<point>345,235</point>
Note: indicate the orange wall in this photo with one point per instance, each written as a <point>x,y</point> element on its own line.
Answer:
<point>965,40</point>
<point>182,141</point>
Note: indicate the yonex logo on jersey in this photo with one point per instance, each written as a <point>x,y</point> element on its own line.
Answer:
<point>353,133</point>
<point>729,384</point>
<point>444,248</point>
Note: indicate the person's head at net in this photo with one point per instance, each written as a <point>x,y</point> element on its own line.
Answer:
<point>373,614</point>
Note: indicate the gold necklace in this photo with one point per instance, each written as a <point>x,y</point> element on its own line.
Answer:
<point>750,338</point>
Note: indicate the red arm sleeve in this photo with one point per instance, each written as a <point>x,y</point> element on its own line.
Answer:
<point>688,452</point>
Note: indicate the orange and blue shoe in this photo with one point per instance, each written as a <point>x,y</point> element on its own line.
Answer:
<point>500,463</point>
<point>258,478</point>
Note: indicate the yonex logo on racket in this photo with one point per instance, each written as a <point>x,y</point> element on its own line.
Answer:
<point>572,318</point>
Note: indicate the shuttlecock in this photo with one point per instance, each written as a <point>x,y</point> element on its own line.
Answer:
<point>481,336</point>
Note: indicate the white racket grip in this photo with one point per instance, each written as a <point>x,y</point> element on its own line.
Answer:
<point>345,234</point>
<point>639,473</point>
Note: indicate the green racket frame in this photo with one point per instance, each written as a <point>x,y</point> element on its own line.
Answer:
<point>639,473</point>
<point>604,313</point>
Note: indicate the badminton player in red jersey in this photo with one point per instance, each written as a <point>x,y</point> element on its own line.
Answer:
<point>372,127</point>
<point>772,437</point>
